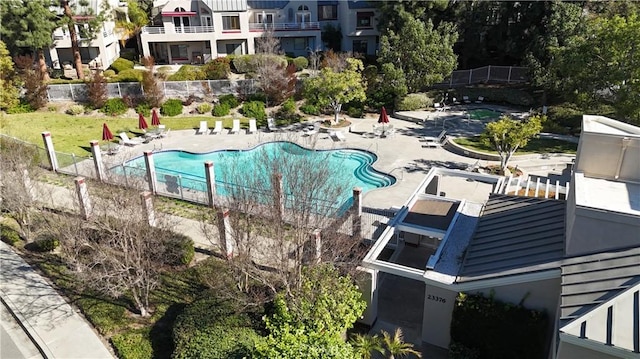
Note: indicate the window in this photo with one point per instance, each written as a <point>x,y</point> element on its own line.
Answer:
<point>363,19</point>
<point>263,18</point>
<point>231,22</point>
<point>303,8</point>
<point>179,52</point>
<point>299,43</point>
<point>360,46</point>
<point>327,12</point>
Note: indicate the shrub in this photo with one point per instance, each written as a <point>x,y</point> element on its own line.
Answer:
<point>180,249</point>
<point>257,96</point>
<point>144,108</point>
<point>9,235</point>
<point>301,63</point>
<point>114,107</point>
<point>108,73</point>
<point>221,109</point>
<point>309,109</point>
<point>217,69</point>
<point>75,110</point>
<point>22,107</point>
<point>563,119</point>
<point>133,344</point>
<point>46,244</point>
<point>121,65</point>
<point>203,108</point>
<point>254,109</point>
<point>130,75</point>
<point>414,101</point>
<point>355,112</point>
<point>97,90</point>
<point>171,107</point>
<point>287,111</point>
<point>230,99</point>
<point>188,73</point>
<point>243,63</point>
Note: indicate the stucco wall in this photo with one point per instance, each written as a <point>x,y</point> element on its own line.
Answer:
<point>438,310</point>
<point>600,156</point>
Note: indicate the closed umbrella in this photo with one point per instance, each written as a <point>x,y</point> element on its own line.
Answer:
<point>106,134</point>
<point>155,120</point>
<point>383,118</point>
<point>142,123</point>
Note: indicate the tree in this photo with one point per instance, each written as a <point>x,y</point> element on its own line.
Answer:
<point>366,345</point>
<point>386,88</point>
<point>153,94</point>
<point>276,79</point>
<point>27,26</point>
<point>9,94</point>
<point>116,252</point>
<point>32,80</point>
<point>132,25</point>
<point>332,37</point>
<point>97,90</point>
<point>423,53</point>
<point>332,88</point>
<point>507,135</point>
<point>310,322</point>
<point>396,346</point>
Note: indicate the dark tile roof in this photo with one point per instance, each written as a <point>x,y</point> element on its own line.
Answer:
<point>515,235</point>
<point>267,4</point>
<point>588,281</point>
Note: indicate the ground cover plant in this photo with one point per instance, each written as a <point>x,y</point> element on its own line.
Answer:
<point>536,145</point>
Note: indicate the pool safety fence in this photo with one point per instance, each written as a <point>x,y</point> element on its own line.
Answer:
<point>170,89</point>
<point>486,74</point>
<point>72,164</point>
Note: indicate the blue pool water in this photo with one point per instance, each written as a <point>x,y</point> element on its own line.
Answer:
<point>342,169</point>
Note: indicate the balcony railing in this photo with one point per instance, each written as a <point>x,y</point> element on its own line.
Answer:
<point>284,26</point>
<point>177,30</point>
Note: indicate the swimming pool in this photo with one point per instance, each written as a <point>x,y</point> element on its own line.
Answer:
<point>322,172</point>
<point>484,114</point>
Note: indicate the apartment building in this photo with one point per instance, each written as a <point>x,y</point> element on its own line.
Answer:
<point>99,52</point>
<point>185,31</point>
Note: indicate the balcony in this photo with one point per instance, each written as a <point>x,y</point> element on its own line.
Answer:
<point>285,26</point>
<point>177,30</point>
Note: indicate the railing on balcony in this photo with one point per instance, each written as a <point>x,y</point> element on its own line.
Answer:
<point>177,30</point>
<point>284,26</point>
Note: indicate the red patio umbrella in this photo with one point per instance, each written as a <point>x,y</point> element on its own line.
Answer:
<point>383,117</point>
<point>106,133</point>
<point>142,123</point>
<point>155,120</point>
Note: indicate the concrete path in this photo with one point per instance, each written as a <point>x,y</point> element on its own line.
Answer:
<point>52,325</point>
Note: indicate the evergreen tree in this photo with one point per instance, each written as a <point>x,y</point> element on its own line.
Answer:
<point>9,91</point>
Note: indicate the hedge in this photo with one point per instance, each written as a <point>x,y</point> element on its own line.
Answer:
<point>414,101</point>
<point>496,330</point>
<point>230,99</point>
<point>114,107</point>
<point>254,109</point>
<point>171,107</point>
<point>134,344</point>
<point>121,64</point>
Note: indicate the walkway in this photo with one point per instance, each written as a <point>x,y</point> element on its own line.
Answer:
<point>52,325</point>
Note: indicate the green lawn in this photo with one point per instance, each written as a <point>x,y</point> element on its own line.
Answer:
<point>71,134</point>
<point>536,145</point>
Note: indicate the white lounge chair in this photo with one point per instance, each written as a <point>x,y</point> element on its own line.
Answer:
<point>431,145</point>
<point>337,136</point>
<point>129,142</point>
<point>218,129</point>
<point>437,139</point>
<point>236,127</point>
<point>455,101</point>
<point>203,128</point>
<point>480,99</point>
<point>253,128</point>
<point>466,99</point>
<point>271,124</point>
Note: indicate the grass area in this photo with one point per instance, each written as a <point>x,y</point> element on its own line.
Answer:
<point>71,134</point>
<point>536,145</point>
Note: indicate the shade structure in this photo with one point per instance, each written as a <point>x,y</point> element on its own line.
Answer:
<point>155,120</point>
<point>106,133</point>
<point>142,123</point>
<point>383,117</point>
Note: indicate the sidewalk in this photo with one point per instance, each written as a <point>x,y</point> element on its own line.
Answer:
<point>50,322</point>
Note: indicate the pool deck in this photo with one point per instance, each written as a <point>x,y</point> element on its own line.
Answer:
<point>400,155</point>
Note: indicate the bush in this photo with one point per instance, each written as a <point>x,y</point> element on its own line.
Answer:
<point>243,64</point>
<point>22,107</point>
<point>221,109</point>
<point>108,73</point>
<point>114,107</point>
<point>133,344</point>
<point>230,99</point>
<point>287,111</point>
<point>508,95</point>
<point>563,119</point>
<point>181,249</point>
<point>46,244</point>
<point>257,96</point>
<point>414,101</point>
<point>301,63</point>
<point>355,112</point>
<point>171,107</point>
<point>309,109</point>
<point>130,75</point>
<point>254,109</point>
<point>121,65</point>
<point>188,73</point>
<point>217,69</point>
<point>203,108</point>
<point>75,110</point>
<point>144,108</point>
<point>9,235</point>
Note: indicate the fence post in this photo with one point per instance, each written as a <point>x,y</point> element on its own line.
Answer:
<point>356,214</point>
<point>509,77</point>
<point>211,182</point>
<point>97,160</point>
<point>188,93</point>
<point>224,229</point>
<point>470,75</point>
<point>51,153</point>
<point>278,194</point>
<point>151,171</point>
<point>147,207</point>
<point>489,73</point>
<point>164,88</point>
<point>73,97</point>
<point>28,185</point>
<point>75,163</point>
<point>83,197</point>
<point>312,250</point>
<point>119,91</point>
<point>180,186</point>
<point>451,79</point>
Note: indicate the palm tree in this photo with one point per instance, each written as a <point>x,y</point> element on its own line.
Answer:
<point>366,345</point>
<point>395,345</point>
